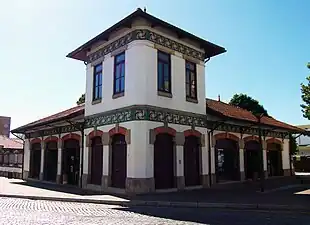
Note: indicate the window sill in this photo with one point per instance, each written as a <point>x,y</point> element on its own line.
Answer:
<point>164,94</point>
<point>97,101</point>
<point>192,100</point>
<point>118,95</point>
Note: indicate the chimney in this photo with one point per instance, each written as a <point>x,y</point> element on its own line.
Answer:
<point>144,9</point>
<point>219,98</point>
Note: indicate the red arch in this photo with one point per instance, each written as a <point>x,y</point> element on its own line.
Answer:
<point>165,130</point>
<point>273,140</point>
<point>95,133</point>
<point>50,138</point>
<point>191,132</point>
<point>250,138</point>
<point>226,136</point>
<point>118,130</point>
<point>35,140</point>
<point>71,136</point>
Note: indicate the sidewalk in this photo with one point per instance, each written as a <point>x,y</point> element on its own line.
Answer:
<point>280,194</point>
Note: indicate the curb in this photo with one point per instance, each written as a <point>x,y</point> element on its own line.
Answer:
<point>127,203</point>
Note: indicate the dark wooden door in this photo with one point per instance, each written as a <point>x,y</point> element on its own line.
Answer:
<point>96,161</point>
<point>119,161</point>
<point>163,162</point>
<point>35,161</point>
<point>191,161</point>
<point>71,161</point>
<point>50,161</point>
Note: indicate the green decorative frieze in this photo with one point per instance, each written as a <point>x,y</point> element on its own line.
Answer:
<point>145,34</point>
<point>56,130</point>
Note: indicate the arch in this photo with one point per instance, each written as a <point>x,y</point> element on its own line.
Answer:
<point>51,138</point>
<point>226,135</point>
<point>118,160</point>
<point>71,136</point>
<point>164,155</point>
<point>95,133</point>
<point>118,130</point>
<point>96,160</point>
<point>35,140</point>
<point>250,138</point>
<point>165,130</point>
<point>273,141</point>
<point>192,162</point>
<point>192,132</point>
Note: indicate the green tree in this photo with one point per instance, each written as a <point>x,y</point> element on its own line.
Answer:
<point>81,100</point>
<point>246,102</point>
<point>305,96</point>
<point>293,145</point>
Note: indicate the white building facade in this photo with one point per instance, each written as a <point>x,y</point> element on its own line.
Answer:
<point>144,126</point>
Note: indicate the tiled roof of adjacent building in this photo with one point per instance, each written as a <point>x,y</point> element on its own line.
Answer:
<point>10,143</point>
<point>238,113</point>
<point>218,107</point>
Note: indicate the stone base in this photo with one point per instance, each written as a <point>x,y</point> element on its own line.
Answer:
<point>286,172</point>
<point>105,180</point>
<point>139,185</point>
<point>25,175</point>
<point>213,178</point>
<point>205,181</point>
<point>266,174</point>
<point>84,180</point>
<point>180,183</point>
<point>41,176</point>
<point>242,176</point>
<point>59,179</point>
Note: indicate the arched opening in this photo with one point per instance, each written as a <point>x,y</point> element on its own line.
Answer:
<point>71,161</point>
<point>274,160</point>
<point>35,161</point>
<point>96,160</point>
<point>252,159</point>
<point>227,160</point>
<point>118,161</point>
<point>50,161</point>
<point>192,161</point>
<point>164,161</point>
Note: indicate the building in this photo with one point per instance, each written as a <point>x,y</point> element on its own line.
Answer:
<point>5,124</point>
<point>11,157</point>
<point>303,141</point>
<point>146,124</point>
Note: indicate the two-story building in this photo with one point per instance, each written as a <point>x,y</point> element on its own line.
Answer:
<point>146,124</point>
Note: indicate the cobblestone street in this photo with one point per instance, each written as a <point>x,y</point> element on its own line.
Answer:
<point>22,211</point>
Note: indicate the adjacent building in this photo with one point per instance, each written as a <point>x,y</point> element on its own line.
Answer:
<point>146,125</point>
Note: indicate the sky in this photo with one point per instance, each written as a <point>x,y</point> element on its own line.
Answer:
<point>267,46</point>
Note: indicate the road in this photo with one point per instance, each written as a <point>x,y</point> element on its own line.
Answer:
<point>22,211</point>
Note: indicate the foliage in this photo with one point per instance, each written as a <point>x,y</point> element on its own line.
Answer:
<point>246,102</point>
<point>293,145</point>
<point>305,96</point>
<point>81,100</point>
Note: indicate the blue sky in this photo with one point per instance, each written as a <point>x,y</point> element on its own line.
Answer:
<point>267,46</point>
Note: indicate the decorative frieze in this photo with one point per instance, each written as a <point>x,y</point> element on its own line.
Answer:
<point>145,34</point>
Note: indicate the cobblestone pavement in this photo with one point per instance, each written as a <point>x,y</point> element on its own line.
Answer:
<point>23,211</point>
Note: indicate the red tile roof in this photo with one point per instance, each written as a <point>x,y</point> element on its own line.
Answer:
<point>235,112</point>
<point>10,143</point>
<point>74,111</point>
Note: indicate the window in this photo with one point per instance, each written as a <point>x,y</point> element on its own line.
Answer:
<point>97,82</point>
<point>191,81</point>
<point>163,72</point>
<point>119,74</point>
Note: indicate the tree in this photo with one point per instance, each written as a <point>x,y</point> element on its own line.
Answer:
<point>293,145</point>
<point>248,103</point>
<point>81,100</point>
<point>305,96</point>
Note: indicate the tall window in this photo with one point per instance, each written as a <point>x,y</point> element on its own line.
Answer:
<point>191,81</point>
<point>163,72</point>
<point>119,73</point>
<point>97,85</point>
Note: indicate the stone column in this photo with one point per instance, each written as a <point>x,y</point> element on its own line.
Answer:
<point>213,175</point>
<point>85,176</point>
<point>286,158</point>
<point>205,161</point>
<point>59,163</point>
<point>42,160</point>
<point>27,154</point>
<point>241,159</point>
<point>265,158</point>
<point>81,162</point>
<point>179,160</point>
<point>106,162</point>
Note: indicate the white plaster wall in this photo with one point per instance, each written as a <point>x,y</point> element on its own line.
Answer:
<point>286,155</point>
<point>26,154</point>
<point>141,82</point>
